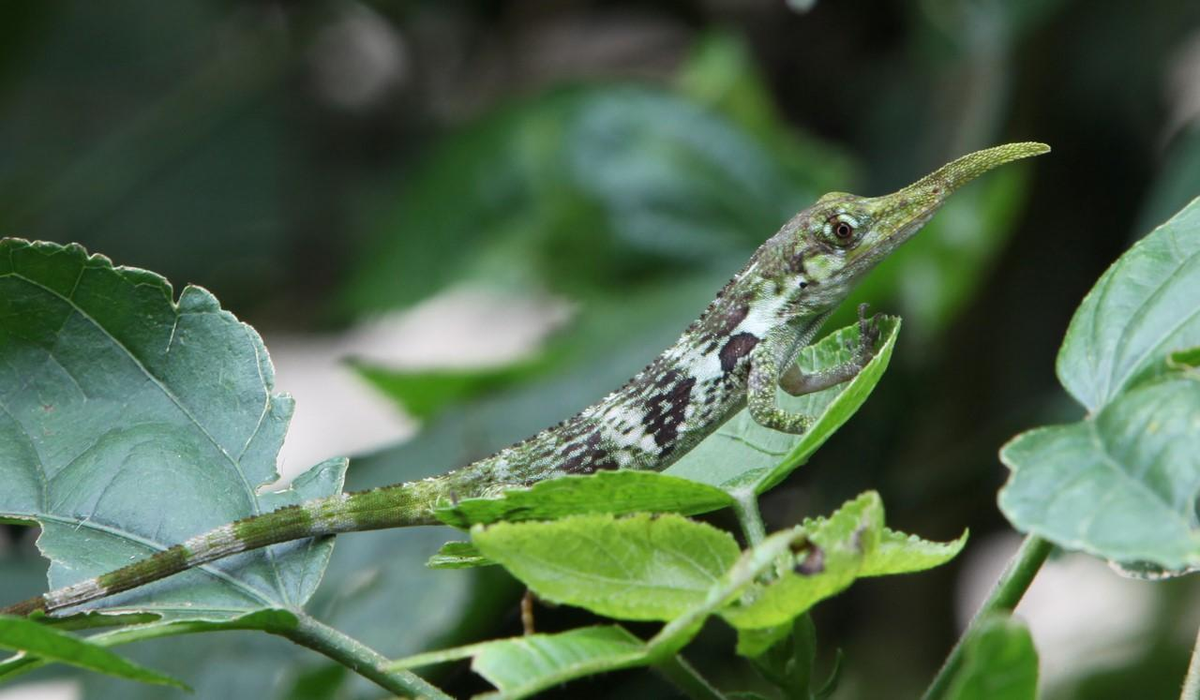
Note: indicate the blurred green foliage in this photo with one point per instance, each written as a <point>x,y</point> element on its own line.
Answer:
<point>627,156</point>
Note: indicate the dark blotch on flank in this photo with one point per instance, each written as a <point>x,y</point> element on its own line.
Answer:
<point>666,407</point>
<point>592,458</point>
<point>732,317</point>
<point>736,348</point>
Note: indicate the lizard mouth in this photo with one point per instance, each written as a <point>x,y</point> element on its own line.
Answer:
<point>903,213</point>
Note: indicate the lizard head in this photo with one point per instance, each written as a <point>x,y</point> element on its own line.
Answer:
<point>829,246</point>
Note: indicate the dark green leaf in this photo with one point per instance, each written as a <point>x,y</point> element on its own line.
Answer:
<point>133,422</point>
<point>1123,482</point>
<point>1143,308</point>
<point>999,663</point>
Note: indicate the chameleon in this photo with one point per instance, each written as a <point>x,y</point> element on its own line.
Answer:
<point>736,355</point>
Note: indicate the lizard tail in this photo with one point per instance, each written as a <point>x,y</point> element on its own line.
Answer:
<point>398,505</point>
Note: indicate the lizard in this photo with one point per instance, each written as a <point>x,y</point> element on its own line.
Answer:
<point>736,355</point>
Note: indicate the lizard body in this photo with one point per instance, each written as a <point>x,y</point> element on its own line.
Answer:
<point>734,355</point>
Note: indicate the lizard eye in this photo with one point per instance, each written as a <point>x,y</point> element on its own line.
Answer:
<point>841,231</point>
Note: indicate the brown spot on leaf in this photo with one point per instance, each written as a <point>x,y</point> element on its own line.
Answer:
<point>813,562</point>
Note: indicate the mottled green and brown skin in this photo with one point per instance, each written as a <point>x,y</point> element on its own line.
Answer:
<point>741,348</point>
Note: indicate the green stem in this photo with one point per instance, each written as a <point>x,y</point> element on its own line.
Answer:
<point>745,506</point>
<point>1004,596</point>
<point>681,674</point>
<point>304,631</point>
<point>1191,684</point>
<point>359,658</point>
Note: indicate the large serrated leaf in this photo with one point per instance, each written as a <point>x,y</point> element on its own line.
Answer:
<point>131,422</point>
<point>744,456</point>
<point>642,567</point>
<point>1123,482</point>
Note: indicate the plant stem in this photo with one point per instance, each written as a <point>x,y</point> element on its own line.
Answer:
<point>359,658</point>
<point>1004,596</point>
<point>746,508</point>
<point>304,630</point>
<point>687,679</point>
<point>1191,684</point>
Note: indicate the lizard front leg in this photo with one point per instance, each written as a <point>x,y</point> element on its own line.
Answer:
<point>766,374</point>
<point>797,382</point>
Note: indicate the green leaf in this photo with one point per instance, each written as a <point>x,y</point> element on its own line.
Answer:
<point>1122,483</point>
<point>899,553</point>
<point>458,555</point>
<point>32,638</point>
<point>1142,308</point>
<point>597,649</point>
<point>827,562</point>
<point>744,456</point>
<point>133,422</point>
<point>522,666</point>
<point>784,654</point>
<point>850,544</point>
<point>641,567</point>
<point>612,492</point>
<point>999,663</point>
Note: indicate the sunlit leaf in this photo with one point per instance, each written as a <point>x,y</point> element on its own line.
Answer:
<point>641,567</point>
<point>833,552</point>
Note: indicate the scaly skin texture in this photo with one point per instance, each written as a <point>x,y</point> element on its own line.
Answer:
<point>735,355</point>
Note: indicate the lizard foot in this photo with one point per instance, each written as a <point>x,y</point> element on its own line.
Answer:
<point>868,336</point>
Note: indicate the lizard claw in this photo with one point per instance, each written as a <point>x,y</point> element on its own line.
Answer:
<point>868,336</point>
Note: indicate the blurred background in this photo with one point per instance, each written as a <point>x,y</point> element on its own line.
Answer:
<point>458,222</point>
